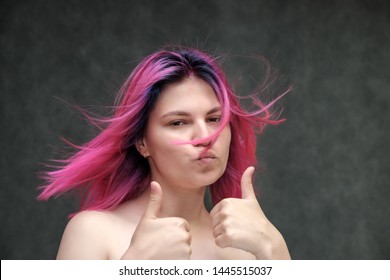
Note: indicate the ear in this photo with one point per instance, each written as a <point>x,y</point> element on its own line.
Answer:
<point>142,148</point>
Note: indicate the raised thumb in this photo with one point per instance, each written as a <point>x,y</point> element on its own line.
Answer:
<point>247,190</point>
<point>155,201</point>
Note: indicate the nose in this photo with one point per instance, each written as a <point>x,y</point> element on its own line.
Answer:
<point>201,131</point>
<point>203,144</point>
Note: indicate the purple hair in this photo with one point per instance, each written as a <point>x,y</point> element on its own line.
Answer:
<point>109,170</point>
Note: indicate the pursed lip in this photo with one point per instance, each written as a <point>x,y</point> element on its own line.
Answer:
<point>206,155</point>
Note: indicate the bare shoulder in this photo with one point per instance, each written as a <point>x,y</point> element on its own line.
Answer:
<point>86,236</point>
<point>101,234</point>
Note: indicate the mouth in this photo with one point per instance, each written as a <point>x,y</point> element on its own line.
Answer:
<point>207,157</point>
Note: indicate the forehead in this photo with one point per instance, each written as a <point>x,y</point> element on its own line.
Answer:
<point>191,94</point>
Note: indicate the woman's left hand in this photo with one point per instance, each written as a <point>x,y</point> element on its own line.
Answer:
<point>241,224</point>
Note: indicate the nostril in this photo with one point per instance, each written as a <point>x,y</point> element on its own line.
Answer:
<point>203,144</point>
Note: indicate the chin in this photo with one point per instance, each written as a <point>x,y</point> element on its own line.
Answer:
<point>209,177</point>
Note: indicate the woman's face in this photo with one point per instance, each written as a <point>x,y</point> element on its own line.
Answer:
<point>186,110</point>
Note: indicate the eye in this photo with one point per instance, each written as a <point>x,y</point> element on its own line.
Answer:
<point>177,123</point>
<point>215,119</point>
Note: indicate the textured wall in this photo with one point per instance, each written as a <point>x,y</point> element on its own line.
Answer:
<point>326,178</point>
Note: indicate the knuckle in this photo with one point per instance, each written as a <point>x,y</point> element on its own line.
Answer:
<point>222,241</point>
<point>226,202</point>
<point>229,235</point>
<point>186,236</point>
<point>225,212</point>
<point>181,222</point>
<point>226,223</point>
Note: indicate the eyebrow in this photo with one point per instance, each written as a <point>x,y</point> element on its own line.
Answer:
<point>186,114</point>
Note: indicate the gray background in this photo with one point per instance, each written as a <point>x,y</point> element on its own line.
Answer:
<point>325,183</point>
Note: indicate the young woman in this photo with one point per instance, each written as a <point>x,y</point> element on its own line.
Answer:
<point>177,129</point>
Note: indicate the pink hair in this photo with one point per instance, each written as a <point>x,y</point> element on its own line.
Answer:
<point>109,170</point>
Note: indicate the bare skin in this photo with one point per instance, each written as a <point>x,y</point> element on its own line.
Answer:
<point>169,220</point>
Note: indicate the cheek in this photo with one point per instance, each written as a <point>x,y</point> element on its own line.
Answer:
<point>161,146</point>
<point>225,144</point>
<point>226,137</point>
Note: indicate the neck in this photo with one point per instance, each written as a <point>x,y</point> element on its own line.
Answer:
<point>186,204</point>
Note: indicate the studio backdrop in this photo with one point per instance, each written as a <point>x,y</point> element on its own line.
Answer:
<point>324,176</point>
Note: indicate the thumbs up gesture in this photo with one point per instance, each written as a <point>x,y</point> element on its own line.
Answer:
<point>159,238</point>
<point>241,224</point>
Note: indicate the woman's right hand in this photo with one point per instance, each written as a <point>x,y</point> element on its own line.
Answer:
<point>159,238</point>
